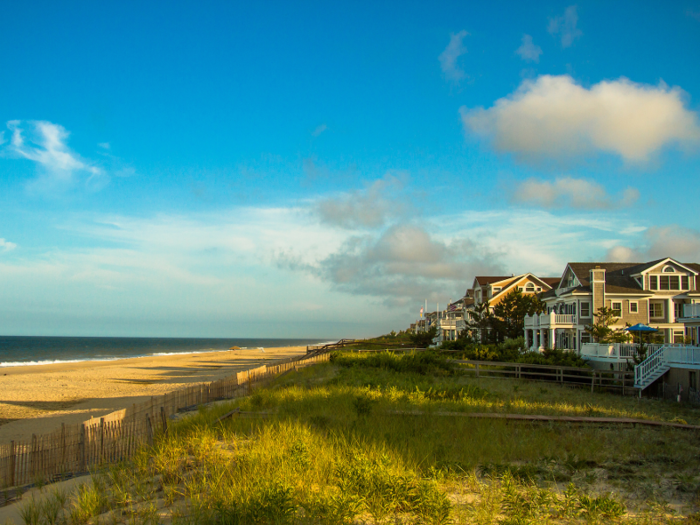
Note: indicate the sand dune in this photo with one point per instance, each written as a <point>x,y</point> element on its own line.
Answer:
<point>37,399</point>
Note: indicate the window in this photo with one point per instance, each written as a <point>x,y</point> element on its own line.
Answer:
<point>677,310</point>
<point>520,288</point>
<point>633,307</point>
<point>653,282</point>
<point>616,309</point>
<point>585,338</point>
<point>585,309</point>
<point>684,283</point>
<point>678,337</point>
<point>668,269</point>
<point>530,288</point>
<point>656,310</point>
<point>496,290</point>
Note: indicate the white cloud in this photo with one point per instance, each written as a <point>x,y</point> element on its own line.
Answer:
<point>569,192</point>
<point>565,26</point>
<point>368,208</point>
<point>46,145</point>
<point>104,145</point>
<point>449,57</point>
<point>528,50</point>
<point>319,129</point>
<point>405,264</point>
<point>552,117</point>
<point>6,246</point>
<point>683,244</point>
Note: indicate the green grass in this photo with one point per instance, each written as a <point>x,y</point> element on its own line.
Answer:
<point>362,440</point>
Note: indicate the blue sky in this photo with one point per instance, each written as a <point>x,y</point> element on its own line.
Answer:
<point>318,170</point>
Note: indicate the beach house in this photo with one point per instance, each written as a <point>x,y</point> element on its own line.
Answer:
<point>652,293</point>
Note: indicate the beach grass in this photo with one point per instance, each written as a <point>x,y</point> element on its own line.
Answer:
<point>374,439</point>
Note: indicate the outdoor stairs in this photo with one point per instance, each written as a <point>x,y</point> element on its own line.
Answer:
<point>651,369</point>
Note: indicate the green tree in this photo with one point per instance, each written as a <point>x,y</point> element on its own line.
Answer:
<point>424,339</point>
<point>479,322</point>
<point>509,314</point>
<point>601,330</point>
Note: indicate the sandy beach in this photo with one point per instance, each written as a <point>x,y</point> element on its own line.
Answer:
<point>37,399</point>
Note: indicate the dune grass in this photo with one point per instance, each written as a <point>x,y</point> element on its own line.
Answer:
<point>362,440</point>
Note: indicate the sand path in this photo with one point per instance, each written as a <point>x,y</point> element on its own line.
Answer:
<point>37,399</point>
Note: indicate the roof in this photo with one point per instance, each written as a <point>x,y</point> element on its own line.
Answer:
<point>488,279</point>
<point>551,281</point>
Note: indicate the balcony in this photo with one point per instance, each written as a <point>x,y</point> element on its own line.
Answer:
<point>691,311</point>
<point>550,321</point>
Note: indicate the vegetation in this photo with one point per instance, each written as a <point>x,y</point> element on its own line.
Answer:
<point>377,438</point>
<point>512,350</point>
<point>506,321</point>
<point>601,330</point>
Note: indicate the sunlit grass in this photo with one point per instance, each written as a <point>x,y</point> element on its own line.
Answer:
<point>348,443</point>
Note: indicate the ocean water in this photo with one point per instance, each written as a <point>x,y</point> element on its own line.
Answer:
<point>24,351</point>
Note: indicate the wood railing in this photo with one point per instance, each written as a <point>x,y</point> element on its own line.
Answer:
<point>79,448</point>
<point>569,375</point>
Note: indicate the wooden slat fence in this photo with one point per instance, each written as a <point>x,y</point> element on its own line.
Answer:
<point>74,449</point>
<point>570,375</point>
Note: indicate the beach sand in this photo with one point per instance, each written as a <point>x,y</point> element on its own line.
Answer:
<point>37,399</point>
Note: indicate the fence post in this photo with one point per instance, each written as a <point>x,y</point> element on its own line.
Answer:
<point>13,461</point>
<point>149,429</point>
<point>81,449</point>
<point>102,439</point>
<point>593,382</point>
<point>63,445</point>
<point>32,458</point>
<point>164,420</point>
<point>477,370</point>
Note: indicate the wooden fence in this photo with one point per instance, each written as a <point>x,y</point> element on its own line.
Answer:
<point>570,375</point>
<point>75,449</point>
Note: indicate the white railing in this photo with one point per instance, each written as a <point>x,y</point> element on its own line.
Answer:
<point>691,310</point>
<point>551,320</point>
<point>613,350</point>
<point>663,359</point>
<point>646,369</point>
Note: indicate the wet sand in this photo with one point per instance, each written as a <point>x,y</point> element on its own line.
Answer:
<point>37,399</point>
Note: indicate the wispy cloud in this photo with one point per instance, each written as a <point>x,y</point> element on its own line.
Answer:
<point>319,129</point>
<point>45,144</point>
<point>370,207</point>
<point>528,50</point>
<point>570,192</point>
<point>449,57</point>
<point>683,244</point>
<point>6,246</point>
<point>564,26</point>
<point>693,14</point>
<point>552,117</point>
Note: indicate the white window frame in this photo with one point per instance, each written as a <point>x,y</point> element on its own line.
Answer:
<point>588,306</point>
<point>636,307</point>
<point>528,289</point>
<point>612,307</point>
<point>657,305</point>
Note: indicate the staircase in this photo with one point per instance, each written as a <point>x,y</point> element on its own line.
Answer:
<point>652,368</point>
<point>661,360</point>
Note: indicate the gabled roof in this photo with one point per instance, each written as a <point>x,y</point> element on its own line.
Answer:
<point>551,281</point>
<point>489,279</point>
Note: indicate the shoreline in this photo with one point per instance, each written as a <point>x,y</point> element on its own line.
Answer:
<point>36,399</point>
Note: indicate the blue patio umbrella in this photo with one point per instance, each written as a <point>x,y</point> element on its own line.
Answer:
<point>639,327</point>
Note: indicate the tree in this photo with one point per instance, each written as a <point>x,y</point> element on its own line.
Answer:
<point>601,331</point>
<point>424,339</point>
<point>479,321</point>
<point>509,314</point>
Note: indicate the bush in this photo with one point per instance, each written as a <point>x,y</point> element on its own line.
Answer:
<point>423,363</point>
<point>513,351</point>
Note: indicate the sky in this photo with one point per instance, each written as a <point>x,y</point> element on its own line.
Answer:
<point>320,169</point>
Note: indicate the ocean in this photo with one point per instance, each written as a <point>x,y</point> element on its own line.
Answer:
<point>24,351</point>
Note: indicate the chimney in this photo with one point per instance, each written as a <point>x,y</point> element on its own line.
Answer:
<point>597,282</point>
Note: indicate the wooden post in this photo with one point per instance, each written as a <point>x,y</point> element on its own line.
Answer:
<point>102,439</point>
<point>63,446</point>
<point>477,370</point>
<point>81,449</point>
<point>13,460</point>
<point>32,458</point>
<point>164,420</point>
<point>593,382</point>
<point>149,429</point>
